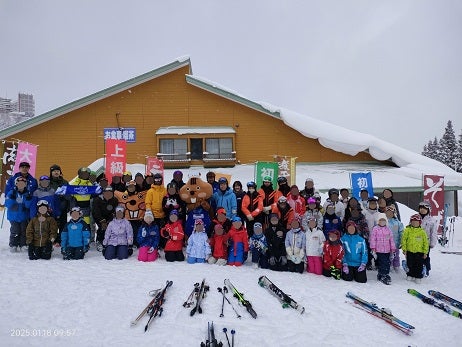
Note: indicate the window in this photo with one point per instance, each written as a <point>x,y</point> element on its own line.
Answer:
<point>219,148</point>
<point>173,149</point>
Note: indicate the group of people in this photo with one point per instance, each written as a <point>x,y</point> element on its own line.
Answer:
<point>283,228</point>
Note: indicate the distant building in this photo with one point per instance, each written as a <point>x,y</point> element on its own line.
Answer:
<point>25,105</point>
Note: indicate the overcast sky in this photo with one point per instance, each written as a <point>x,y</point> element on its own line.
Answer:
<point>389,68</point>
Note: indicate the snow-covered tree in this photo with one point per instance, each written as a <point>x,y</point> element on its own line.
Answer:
<point>448,146</point>
<point>458,157</point>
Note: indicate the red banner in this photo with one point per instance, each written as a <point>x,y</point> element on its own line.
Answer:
<point>116,158</point>
<point>434,194</point>
<point>154,165</point>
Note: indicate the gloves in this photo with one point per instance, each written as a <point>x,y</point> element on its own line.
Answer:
<point>267,209</point>
<point>362,267</point>
<point>150,250</point>
<point>143,233</point>
<point>346,270</point>
<point>19,199</point>
<point>374,255</point>
<point>392,256</point>
<point>296,259</point>
<point>249,218</point>
<point>272,261</point>
<point>283,260</point>
<point>98,190</point>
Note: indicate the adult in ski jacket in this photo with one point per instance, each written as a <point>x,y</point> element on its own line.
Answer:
<point>18,201</point>
<point>154,198</point>
<point>24,173</point>
<point>224,197</point>
<point>430,226</point>
<point>252,207</point>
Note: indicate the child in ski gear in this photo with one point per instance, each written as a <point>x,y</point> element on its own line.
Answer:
<point>396,228</point>
<point>174,234</point>
<point>332,255</point>
<point>172,201</point>
<point>219,245</point>
<point>355,258</point>
<point>276,236</point>
<point>312,210</point>
<point>18,201</point>
<point>118,236</point>
<point>82,200</point>
<point>259,247</point>
<point>41,232</point>
<point>224,197</point>
<point>331,220</point>
<point>154,198</point>
<point>239,192</point>
<point>415,246</point>
<point>75,237</point>
<point>314,246</point>
<point>148,239</point>
<point>252,207</point>
<point>430,226</point>
<point>198,249</point>
<point>295,247</point>
<point>57,180</point>
<point>239,244</point>
<point>382,247</point>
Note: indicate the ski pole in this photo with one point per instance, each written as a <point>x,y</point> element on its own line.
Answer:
<point>225,290</point>
<point>226,334</point>
<point>232,337</point>
<point>223,301</point>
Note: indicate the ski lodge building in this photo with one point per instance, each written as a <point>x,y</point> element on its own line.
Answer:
<point>189,121</point>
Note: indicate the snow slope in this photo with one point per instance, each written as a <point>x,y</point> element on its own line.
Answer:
<point>94,301</point>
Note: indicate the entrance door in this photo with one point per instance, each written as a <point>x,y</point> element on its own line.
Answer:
<point>196,149</point>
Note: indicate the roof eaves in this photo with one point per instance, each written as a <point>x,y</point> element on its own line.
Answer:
<point>94,97</point>
<point>231,96</point>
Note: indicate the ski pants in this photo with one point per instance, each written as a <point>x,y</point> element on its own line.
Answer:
<point>292,267</point>
<point>354,274</point>
<point>383,264</point>
<point>18,233</point>
<point>427,261</point>
<point>415,262</point>
<point>144,255</point>
<point>116,252</point>
<point>73,253</point>
<point>314,265</point>
<point>193,260</point>
<point>174,256</point>
<point>40,252</point>
<point>260,259</point>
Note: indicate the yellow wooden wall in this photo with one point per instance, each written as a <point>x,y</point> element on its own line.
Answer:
<point>76,138</point>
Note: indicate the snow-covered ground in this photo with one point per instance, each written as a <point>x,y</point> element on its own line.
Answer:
<point>92,302</point>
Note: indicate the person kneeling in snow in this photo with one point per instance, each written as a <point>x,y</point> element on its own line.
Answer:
<point>148,238</point>
<point>118,237</point>
<point>75,236</point>
<point>355,259</point>
<point>332,255</point>
<point>219,244</point>
<point>239,243</point>
<point>198,249</point>
<point>173,232</point>
<point>41,232</point>
<point>258,247</point>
